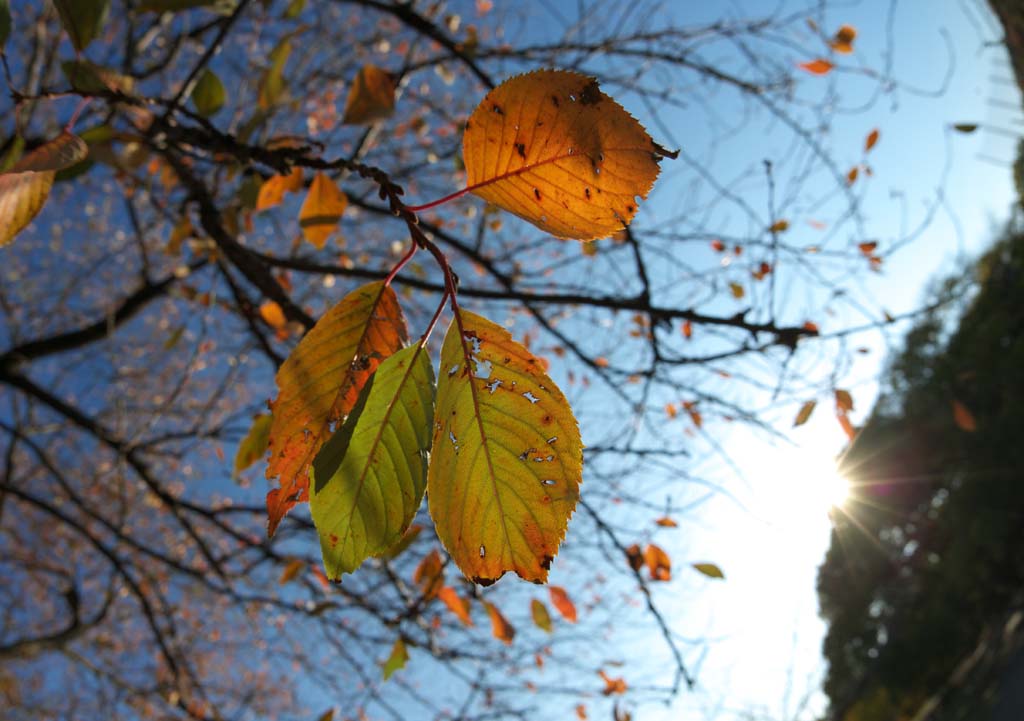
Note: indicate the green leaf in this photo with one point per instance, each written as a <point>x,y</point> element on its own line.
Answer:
<point>208,94</point>
<point>254,446</point>
<point>295,7</point>
<point>83,20</point>
<point>709,569</point>
<point>397,660</point>
<point>506,463</point>
<point>90,78</point>
<point>273,85</point>
<point>5,22</point>
<point>368,480</point>
<point>13,155</point>
<point>540,614</point>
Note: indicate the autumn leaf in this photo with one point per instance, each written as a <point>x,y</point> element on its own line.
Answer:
<point>208,95</point>
<point>868,247</point>
<point>871,140</point>
<point>429,574</point>
<point>687,329</point>
<point>550,147</point>
<point>321,210</point>
<point>612,686</point>
<point>273,315</point>
<point>410,535</point>
<point>635,557</point>
<point>851,176</point>
<point>26,186</point>
<point>817,67</point>
<point>506,462</point>
<point>254,446</point>
<point>709,569</point>
<point>963,418</point>
<point>501,629</point>
<point>83,20</point>
<point>319,384</point>
<point>779,226</point>
<point>541,617</point>
<point>659,565</point>
<point>736,290</point>
<point>666,522</point>
<point>845,424</point>
<point>397,660</point>
<point>966,128</point>
<point>456,604</point>
<point>804,414</point>
<point>844,401</point>
<point>371,98</point>
<point>842,41</point>
<point>272,84</point>
<point>292,570</point>
<point>581,712</point>
<point>368,479</point>
<point>273,189</point>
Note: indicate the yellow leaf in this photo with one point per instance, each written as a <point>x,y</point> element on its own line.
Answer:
<point>371,98</point>
<point>397,660</point>
<point>254,446</point>
<point>456,604</point>
<point>321,210</point>
<point>541,617</point>
<point>26,186</point>
<point>500,627</point>
<point>817,67</point>
<point>550,147</point>
<point>963,418</point>
<point>319,384</point>
<point>271,312</point>
<point>804,413</point>
<point>273,189</point>
<point>272,84</point>
<point>506,462</point>
<point>709,569</point>
<point>737,290</point>
<point>291,570</point>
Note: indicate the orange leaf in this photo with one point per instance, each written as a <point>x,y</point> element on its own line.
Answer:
<point>963,418</point>
<point>687,329</point>
<point>550,147</point>
<point>810,325</point>
<point>737,290</point>
<point>842,42</point>
<point>371,98</point>
<point>695,416</point>
<point>319,384</point>
<point>635,557</point>
<point>851,176</point>
<point>817,67</point>
<point>271,312</point>
<point>429,574</point>
<point>581,712</point>
<point>846,425</point>
<point>804,414</point>
<point>500,627</point>
<point>779,226</point>
<point>868,247</point>
<point>321,210</point>
<point>561,601</point>
<point>666,522</point>
<point>456,604</point>
<point>670,410</point>
<point>658,563</point>
<point>717,245</point>
<point>291,570</point>
<point>273,189</point>
<point>612,686</point>
<point>871,140</point>
<point>844,401</point>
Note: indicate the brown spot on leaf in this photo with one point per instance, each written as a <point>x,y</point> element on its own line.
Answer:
<point>536,194</point>
<point>545,562</point>
<point>521,149</point>
<point>497,109</point>
<point>546,420</point>
<point>481,581</point>
<point>554,99</point>
<point>586,192</point>
<point>591,94</point>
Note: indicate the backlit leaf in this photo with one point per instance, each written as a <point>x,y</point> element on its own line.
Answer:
<point>87,77</point>
<point>368,479</point>
<point>456,604</point>
<point>817,67</point>
<point>82,19</point>
<point>635,557</point>
<point>292,570</point>
<point>963,418</point>
<point>560,600</point>
<point>321,210</point>
<point>541,617</point>
<point>397,660</point>
<point>851,176</point>
<point>550,147</point>
<point>271,312</point>
<point>500,627</point>
<point>581,712</point>
<point>612,686</point>
<point>736,290</point>
<point>254,446</point>
<point>659,565</point>
<point>371,97</point>
<point>506,462</point>
<point>871,140</point>
<point>429,574</point>
<point>842,41</point>
<point>844,401</point>
<point>410,535</point>
<point>319,384</point>
<point>273,189</point>
<point>666,522</point>
<point>208,95</point>
<point>272,84</point>
<point>709,569</point>
<point>26,186</point>
<point>778,226</point>
<point>867,247</point>
<point>804,414</point>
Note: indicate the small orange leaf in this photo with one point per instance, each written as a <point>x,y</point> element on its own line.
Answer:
<point>658,563</point>
<point>456,604</point>
<point>804,413</point>
<point>429,574</point>
<point>871,140</point>
<point>601,362</point>
<point>717,245</point>
<point>581,712</point>
<point>291,570</point>
<point>687,330</point>
<point>500,627</point>
<point>321,210</point>
<point>779,226</point>
<point>612,686</point>
<point>371,98</point>
<point>670,410</point>
<point>851,176</point>
<point>842,42</point>
<point>273,189</point>
<point>635,557</point>
<point>817,67</point>
<point>666,522</point>
<point>963,418</point>
<point>737,290</point>
<point>811,326</point>
<point>271,312</point>
<point>561,601</point>
<point>695,416</point>
<point>844,401</point>
<point>868,247</point>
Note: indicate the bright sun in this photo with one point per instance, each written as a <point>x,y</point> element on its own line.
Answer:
<point>797,486</point>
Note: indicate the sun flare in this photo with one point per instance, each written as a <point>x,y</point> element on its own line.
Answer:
<point>799,486</point>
